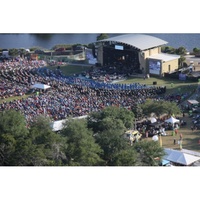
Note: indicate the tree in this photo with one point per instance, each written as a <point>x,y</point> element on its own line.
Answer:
<point>22,52</point>
<point>181,51</point>
<point>13,122</point>
<point>113,145</point>
<point>12,131</point>
<point>109,126</point>
<point>196,50</point>
<point>125,157</point>
<point>137,110</point>
<point>108,123</point>
<point>81,147</point>
<point>97,119</point>
<point>181,60</point>
<point>50,145</point>
<point>160,107</point>
<point>7,148</point>
<point>149,153</point>
<point>168,49</point>
<point>102,36</point>
<point>13,52</point>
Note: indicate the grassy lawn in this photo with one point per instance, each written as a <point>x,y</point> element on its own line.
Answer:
<point>69,70</point>
<point>14,98</point>
<point>190,138</point>
<point>172,85</point>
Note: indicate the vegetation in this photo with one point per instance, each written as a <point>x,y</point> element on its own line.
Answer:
<point>78,144</point>
<point>95,141</point>
<point>102,36</point>
<point>70,69</point>
<point>160,108</point>
<point>81,147</point>
<point>180,51</point>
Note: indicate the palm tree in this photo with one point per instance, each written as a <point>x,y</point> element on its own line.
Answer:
<point>181,60</point>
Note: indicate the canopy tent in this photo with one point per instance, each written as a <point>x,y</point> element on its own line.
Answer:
<point>40,86</point>
<point>153,120</point>
<point>180,157</point>
<point>155,138</point>
<point>59,124</point>
<point>193,102</point>
<point>165,162</point>
<point>172,120</point>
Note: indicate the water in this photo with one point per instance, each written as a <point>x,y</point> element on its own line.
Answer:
<point>189,41</point>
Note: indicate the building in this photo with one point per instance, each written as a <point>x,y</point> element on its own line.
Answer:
<point>34,56</point>
<point>5,53</point>
<point>139,52</point>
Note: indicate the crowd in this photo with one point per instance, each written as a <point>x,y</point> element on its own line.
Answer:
<point>15,75</point>
<point>68,96</point>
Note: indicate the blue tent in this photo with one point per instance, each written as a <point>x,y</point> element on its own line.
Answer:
<point>165,162</point>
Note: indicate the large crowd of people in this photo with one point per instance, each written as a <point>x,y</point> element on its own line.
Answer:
<point>68,96</point>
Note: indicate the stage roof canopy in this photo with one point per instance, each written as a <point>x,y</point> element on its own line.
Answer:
<point>139,41</point>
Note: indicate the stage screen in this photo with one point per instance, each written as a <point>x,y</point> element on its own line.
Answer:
<point>154,67</point>
<point>119,47</point>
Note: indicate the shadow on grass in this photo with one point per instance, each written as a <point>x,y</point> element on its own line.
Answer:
<point>192,143</point>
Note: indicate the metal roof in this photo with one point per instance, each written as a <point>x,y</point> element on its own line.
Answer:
<point>139,41</point>
<point>180,157</point>
<point>164,57</point>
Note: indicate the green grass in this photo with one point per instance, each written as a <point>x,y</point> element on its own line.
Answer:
<point>190,138</point>
<point>69,70</point>
<point>172,85</point>
<point>177,86</point>
<point>14,98</point>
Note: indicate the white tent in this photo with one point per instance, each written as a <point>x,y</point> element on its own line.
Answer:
<point>180,157</point>
<point>57,125</point>
<point>172,120</point>
<point>153,120</point>
<point>155,138</point>
<point>40,86</point>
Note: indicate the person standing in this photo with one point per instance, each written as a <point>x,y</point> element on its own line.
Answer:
<point>180,144</point>
<point>147,134</point>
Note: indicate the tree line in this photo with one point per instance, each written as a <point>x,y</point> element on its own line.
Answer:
<point>95,141</point>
